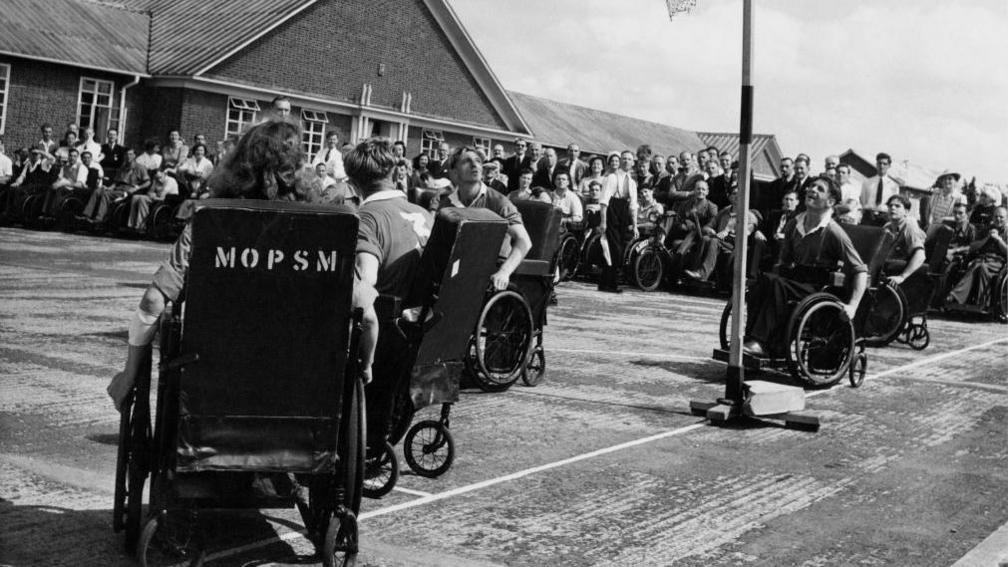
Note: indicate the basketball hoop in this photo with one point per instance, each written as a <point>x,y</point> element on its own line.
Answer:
<point>676,7</point>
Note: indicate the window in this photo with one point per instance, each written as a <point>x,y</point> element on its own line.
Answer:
<point>430,141</point>
<point>4,89</point>
<point>241,113</point>
<point>482,144</point>
<point>314,131</point>
<point>96,108</point>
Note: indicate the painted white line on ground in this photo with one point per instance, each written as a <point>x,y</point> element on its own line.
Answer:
<point>990,552</point>
<point>640,354</point>
<point>411,491</point>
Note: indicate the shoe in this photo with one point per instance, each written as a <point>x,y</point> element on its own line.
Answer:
<point>693,274</point>
<point>753,348</point>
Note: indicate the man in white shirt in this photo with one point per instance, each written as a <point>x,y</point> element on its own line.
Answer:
<point>876,190</point>
<point>331,157</point>
<point>619,219</point>
<point>848,188</point>
<point>48,143</point>
<point>830,165</point>
<point>6,166</point>
<point>88,144</point>
<point>565,200</point>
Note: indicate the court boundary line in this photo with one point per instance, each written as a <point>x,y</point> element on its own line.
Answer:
<point>472,487</point>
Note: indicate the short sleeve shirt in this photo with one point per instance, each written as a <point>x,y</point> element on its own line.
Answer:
<point>823,246</point>
<point>170,276</point>
<point>569,205</point>
<point>487,199</point>
<point>395,231</point>
<point>909,238</point>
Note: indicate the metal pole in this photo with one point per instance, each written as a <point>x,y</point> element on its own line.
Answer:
<point>736,375</point>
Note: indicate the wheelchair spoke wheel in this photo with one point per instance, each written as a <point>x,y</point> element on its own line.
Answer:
<point>535,369</point>
<point>858,368</point>
<point>570,256</point>
<point>823,344</point>
<point>503,334</point>
<point>381,471</point>
<point>339,549</point>
<point>725,328</point>
<point>918,336</point>
<point>885,315</point>
<point>648,269</point>
<point>354,449</point>
<point>170,538</point>
<point>429,448</point>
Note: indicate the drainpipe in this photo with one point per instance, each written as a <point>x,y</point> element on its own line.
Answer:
<point>122,107</point>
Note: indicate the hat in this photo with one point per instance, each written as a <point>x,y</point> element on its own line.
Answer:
<point>947,173</point>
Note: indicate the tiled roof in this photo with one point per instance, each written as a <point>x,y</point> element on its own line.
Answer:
<point>558,124</point>
<point>765,166</point>
<point>76,32</point>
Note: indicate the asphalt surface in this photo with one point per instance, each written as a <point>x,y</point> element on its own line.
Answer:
<point>600,464</point>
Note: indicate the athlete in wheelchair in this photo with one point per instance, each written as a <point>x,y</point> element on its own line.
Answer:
<point>802,317</point>
<point>260,389</point>
<point>983,286</point>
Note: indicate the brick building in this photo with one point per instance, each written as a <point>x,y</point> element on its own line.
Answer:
<point>407,70</point>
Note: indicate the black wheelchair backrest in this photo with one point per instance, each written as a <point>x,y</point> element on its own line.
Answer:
<point>873,244</point>
<point>542,221</point>
<point>268,313</point>
<point>453,276</point>
<point>936,246</point>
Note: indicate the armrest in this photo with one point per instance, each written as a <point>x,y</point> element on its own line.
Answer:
<point>535,268</point>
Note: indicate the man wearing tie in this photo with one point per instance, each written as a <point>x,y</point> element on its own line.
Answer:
<point>331,157</point>
<point>514,164</point>
<point>876,190</point>
<point>545,172</point>
<point>572,165</point>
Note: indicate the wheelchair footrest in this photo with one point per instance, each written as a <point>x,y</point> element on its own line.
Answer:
<point>749,361</point>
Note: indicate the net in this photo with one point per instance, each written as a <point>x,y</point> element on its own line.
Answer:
<point>676,7</point>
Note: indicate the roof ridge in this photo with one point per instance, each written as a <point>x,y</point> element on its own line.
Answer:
<point>115,5</point>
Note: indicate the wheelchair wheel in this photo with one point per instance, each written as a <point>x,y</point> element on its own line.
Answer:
<point>381,471</point>
<point>503,334</point>
<point>918,336</point>
<point>725,328</point>
<point>535,369</point>
<point>569,256</point>
<point>168,539</point>
<point>821,343</point>
<point>118,219</point>
<point>339,549</point>
<point>353,474</point>
<point>885,316</point>
<point>648,269</point>
<point>31,209</point>
<point>69,209</point>
<point>160,222</point>
<point>429,448</point>
<point>858,368</point>
<point>1002,299</point>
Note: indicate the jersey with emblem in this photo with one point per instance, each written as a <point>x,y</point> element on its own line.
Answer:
<point>394,231</point>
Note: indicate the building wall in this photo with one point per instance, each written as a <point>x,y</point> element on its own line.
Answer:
<point>316,52</point>
<point>203,113</point>
<point>44,92</point>
<point>162,112</point>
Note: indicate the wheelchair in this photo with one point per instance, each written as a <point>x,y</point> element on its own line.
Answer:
<point>507,341</point>
<point>648,258</point>
<point>823,345</point>
<point>259,398</point>
<point>419,359</point>
<point>997,306</point>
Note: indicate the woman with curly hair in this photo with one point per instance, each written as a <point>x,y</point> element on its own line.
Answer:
<point>263,165</point>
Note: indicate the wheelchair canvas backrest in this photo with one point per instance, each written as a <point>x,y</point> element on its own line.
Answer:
<point>542,221</point>
<point>268,313</point>
<point>936,246</point>
<point>456,264</point>
<point>873,244</point>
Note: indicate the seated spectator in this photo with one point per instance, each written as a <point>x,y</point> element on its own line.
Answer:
<point>69,142</point>
<point>778,220</point>
<point>201,139</point>
<point>692,214</point>
<point>988,199</point>
<point>129,179</point>
<point>719,184</point>
<point>140,204</point>
<point>592,208</point>
<point>908,245</point>
<point>642,173</point>
<point>717,247</point>
<point>565,199</point>
<point>95,173</point>
<point>88,144</point>
<point>963,233</point>
<point>525,191</point>
<point>596,167</point>
<point>491,177</point>
<point>646,206</point>
<point>848,212</point>
<point>174,153</point>
<point>320,185</point>
<point>945,195</point>
<point>150,159</point>
<point>987,256</point>
<point>37,176</point>
<point>194,172</point>
<point>813,246</point>
<point>73,176</point>
<point>113,153</point>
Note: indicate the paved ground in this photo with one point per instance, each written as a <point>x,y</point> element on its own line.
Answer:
<point>601,464</point>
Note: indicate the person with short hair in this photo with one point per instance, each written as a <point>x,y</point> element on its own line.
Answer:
<point>129,179</point>
<point>543,176</point>
<point>515,163</point>
<point>113,153</point>
<point>47,143</point>
<point>987,257</point>
<point>497,154</point>
<point>491,173</point>
<point>280,108</point>
<point>69,142</point>
<point>150,159</point>
<point>73,176</point>
<point>908,243</point>
<point>331,157</point>
<point>195,171</point>
<point>647,206</point>
<point>717,245</point>
<point>830,165</point>
<point>814,244</point>
<point>573,165</point>
<point>6,166</point>
<point>566,200</point>
<point>438,164</point>
<point>618,220</point>
<point>963,232</point>
<point>88,144</point>
<point>848,188</point>
<point>140,203</point>
<point>989,198</point>
<point>526,191</point>
<point>322,185</point>
<point>465,166</point>
<point>876,190</point>
<point>174,153</point>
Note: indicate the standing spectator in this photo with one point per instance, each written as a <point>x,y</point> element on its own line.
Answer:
<point>544,174</point>
<point>162,186</point>
<point>210,154</point>
<point>830,165</point>
<point>150,159</point>
<point>801,174</point>
<point>772,195</point>
<point>113,153</point>
<point>174,154</point>
<point>332,157</point>
<point>596,167</point>
<point>71,127</point>
<point>877,189</point>
<point>47,142</point>
<point>401,178</point>
<point>681,184</point>
<point>420,174</point>
<point>491,173</point>
<point>672,164</point>
<point>725,160</point>
<point>497,154</point>
<point>88,144</point>
<point>573,165</point>
<point>642,174</point>
<point>194,172</point>
<point>848,188</point>
<point>720,184</point>
<point>565,199</point>
<point>399,151</point>
<point>537,155</point>
<point>438,165</point>
<point>515,163</point>
<point>944,197</point>
<point>280,109</point>
<point>6,167</point>
<point>619,219</point>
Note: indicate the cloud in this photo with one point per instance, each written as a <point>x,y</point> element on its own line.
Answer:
<point>921,79</point>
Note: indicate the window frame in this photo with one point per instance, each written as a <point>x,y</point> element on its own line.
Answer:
<point>430,139</point>
<point>314,124</point>
<point>483,144</point>
<point>247,113</point>
<point>5,73</point>
<point>94,104</point>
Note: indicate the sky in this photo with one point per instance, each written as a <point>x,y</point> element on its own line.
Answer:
<point>918,79</point>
